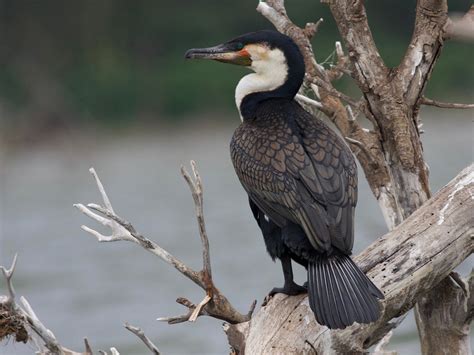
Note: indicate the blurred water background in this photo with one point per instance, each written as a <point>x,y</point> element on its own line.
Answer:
<point>104,84</point>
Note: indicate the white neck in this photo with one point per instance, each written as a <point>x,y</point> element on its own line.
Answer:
<point>271,72</point>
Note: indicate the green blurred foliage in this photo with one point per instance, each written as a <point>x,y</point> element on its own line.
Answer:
<point>123,60</point>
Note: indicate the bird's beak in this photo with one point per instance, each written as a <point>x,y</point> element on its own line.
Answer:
<point>222,53</point>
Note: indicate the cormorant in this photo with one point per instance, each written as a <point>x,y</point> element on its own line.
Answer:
<point>300,176</point>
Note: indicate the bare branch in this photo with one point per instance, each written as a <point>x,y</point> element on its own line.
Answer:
<point>307,101</point>
<point>351,20</point>
<point>312,28</point>
<point>404,264</point>
<point>123,230</point>
<point>87,347</point>
<point>424,48</point>
<point>141,334</point>
<point>429,102</point>
<point>220,307</point>
<point>8,274</point>
<point>332,91</point>
<point>44,333</point>
<point>196,191</point>
<point>342,65</point>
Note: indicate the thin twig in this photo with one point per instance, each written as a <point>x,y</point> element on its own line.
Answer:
<point>88,347</point>
<point>197,193</point>
<point>312,28</point>
<point>8,274</point>
<point>141,334</point>
<point>199,308</point>
<point>307,101</point>
<point>332,91</point>
<point>429,102</point>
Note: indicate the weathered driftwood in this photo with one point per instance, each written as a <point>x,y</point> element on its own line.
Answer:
<point>405,264</point>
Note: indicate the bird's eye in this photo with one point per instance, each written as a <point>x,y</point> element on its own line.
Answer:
<point>239,46</point>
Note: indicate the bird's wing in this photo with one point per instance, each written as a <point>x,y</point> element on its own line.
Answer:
<point>280,178</point>
<point>336,171</point>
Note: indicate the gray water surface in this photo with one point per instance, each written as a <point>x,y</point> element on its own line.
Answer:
<point>80,288</point>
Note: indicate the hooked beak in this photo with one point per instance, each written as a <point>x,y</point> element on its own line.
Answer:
<point>222,53</point>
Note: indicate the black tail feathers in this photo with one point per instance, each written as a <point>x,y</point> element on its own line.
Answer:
<point>340,293</point>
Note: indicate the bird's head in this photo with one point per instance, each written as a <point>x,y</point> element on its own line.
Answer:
<point>261,51</point>
<point>276,60</point>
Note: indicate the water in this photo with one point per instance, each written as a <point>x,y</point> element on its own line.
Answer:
<point>80,288</point>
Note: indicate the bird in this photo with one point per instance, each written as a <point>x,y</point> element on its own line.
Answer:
<point>300,177</point>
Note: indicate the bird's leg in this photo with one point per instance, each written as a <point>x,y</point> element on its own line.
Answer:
<point>290,287</point>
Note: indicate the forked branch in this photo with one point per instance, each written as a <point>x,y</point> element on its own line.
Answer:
<point>16,319</point>
<point>141,334</point>
<point>214,303</point>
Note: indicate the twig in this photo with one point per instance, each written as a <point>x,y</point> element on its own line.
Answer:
<point>312,28</point>
<point>332,91</point>
<point>88,347</point>
<point>8,274</point>
<point>123,230</point>
<point>196,191</point>
<point>307,101</point>
<point>141,334</point>
<point>44,333</point>
<point>429,102</point>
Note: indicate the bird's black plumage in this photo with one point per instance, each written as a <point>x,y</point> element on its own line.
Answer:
<point>301,179</point>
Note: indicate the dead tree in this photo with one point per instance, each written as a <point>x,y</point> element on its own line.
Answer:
<point>429,237</point>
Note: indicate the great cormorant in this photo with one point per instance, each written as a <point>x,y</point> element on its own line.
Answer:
<point>300,177</point>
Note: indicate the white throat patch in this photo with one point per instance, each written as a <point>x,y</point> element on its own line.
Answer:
<point>271,71</point>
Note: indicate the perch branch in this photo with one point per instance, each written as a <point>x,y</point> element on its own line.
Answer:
<point>141,334</point>
<point>429,102</point>
<point>214,303</point>
<point>405,264</point>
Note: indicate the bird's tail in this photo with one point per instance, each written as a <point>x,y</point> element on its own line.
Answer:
<point>340,293</point>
